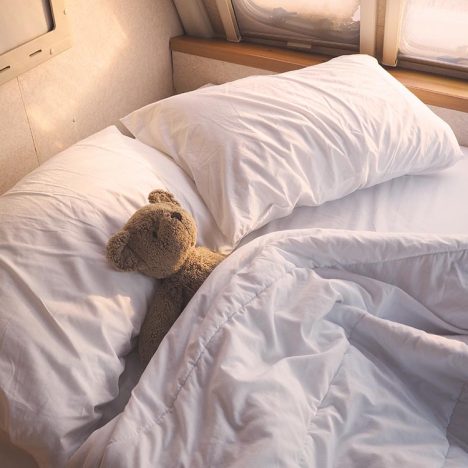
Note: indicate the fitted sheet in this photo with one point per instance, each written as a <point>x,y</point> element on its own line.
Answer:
<point>433,203</point>
<point>436,203</point>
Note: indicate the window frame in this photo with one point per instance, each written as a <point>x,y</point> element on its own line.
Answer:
<point>394,11</point>
<point>367,36</point>
<point>394,15</point>
<point>16,61</point>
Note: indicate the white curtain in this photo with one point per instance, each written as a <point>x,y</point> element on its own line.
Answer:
<point>436,30</point>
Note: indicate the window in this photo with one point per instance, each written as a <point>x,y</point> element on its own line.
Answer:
<point>31,32</point>
<point>435,31</point>
<point>332,23</point>
<point>332,27</point>
<point>21,22</point>
<point>428,35</point>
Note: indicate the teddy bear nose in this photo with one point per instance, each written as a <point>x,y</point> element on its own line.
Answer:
<point>176,215</point>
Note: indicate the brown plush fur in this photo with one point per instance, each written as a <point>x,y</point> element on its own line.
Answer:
<point>159,241</point>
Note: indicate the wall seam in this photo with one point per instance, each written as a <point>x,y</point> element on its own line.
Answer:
<point>28,120</point>
<point>173,72</point>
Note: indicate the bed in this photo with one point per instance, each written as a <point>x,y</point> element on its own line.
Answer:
<point>335,332</point>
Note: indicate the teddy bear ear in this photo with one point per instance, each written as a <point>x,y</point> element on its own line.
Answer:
<point>119,254</point>
<point>161,196</point>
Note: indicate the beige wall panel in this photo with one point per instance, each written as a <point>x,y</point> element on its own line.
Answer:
<point>17,155</point>
<point>215,19</point>
<point>191,72</point>
<point>119,61</point>
<point>457,120</point>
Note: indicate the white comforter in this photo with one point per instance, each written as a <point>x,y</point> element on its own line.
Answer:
<point>309,348</point>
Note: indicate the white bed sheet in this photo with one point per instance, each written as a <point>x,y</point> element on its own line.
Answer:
<point>408,204</point>
<point>67,319</point>
<point>425,204</point>
<point>435,203</point>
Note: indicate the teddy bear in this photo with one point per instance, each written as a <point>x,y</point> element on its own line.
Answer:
<point>159,240</point>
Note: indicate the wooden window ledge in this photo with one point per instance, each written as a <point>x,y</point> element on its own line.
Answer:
<point>451,93</point>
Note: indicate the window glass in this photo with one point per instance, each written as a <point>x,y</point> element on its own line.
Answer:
<point>436,30</point>
<point>312,21</point>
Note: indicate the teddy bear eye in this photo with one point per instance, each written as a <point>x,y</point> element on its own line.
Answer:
<point>176,215</point>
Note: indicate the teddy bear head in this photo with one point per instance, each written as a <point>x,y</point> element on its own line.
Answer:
<point>156,240</point>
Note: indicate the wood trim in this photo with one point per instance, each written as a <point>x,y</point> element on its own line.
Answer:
<point>451,93</point>
<point>435,90</point>
<point>250,55</point>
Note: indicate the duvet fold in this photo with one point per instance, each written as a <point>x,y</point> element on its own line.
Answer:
<point>311,348</point>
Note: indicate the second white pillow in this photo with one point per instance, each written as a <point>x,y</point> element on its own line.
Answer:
<point>258,147</point>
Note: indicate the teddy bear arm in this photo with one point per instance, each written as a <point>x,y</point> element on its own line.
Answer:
<point>166,307</point>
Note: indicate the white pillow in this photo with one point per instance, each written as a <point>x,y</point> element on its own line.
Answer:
<point>260,146</point>
<point>66,317</point>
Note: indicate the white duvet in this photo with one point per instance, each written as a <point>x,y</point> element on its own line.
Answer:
<point>309,348</point>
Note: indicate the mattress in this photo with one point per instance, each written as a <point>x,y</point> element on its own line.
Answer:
<point>432,204</point>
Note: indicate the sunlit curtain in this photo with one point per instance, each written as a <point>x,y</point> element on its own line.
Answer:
<point>436,30</point>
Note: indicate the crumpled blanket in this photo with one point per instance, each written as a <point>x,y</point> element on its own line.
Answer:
<point>310,348</point>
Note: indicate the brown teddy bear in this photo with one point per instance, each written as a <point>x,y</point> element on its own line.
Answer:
<point>159,241</point>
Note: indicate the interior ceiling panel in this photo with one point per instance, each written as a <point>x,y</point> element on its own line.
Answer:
<point>215,19</point>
